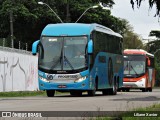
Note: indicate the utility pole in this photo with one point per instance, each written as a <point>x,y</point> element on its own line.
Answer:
<point>68,19</point>
<point>26,46</point>
<point>11,28</point>
<point>4,42</point>
<point>19,45</point>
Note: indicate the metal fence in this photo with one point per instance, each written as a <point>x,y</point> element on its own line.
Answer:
<point>5,45</point>
<point>15,50</point>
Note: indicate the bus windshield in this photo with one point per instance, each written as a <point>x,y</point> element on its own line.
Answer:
<point>134,65</point>
<point>62,53</point>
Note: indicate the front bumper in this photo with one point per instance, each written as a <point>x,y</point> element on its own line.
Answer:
<point>84,85</point>
<point>138,84</point>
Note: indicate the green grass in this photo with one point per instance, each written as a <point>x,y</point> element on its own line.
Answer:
<point>22,93</point>
<point>130,115</point>
<point>152,109</point>
<point>27,93</point>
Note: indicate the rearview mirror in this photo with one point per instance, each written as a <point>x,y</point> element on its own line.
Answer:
<point>90,47</point>
<point>34,47</point>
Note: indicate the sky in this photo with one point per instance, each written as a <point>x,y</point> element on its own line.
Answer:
<point>141,19</point>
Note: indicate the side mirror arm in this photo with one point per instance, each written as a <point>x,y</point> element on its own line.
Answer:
<point>34,47</point>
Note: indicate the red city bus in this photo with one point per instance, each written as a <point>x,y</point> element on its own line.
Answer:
<point>139,71</point>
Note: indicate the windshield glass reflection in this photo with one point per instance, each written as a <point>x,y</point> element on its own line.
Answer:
<point>63,53</point>
<point>134,65</point>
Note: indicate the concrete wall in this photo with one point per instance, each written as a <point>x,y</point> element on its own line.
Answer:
<point>18,70</point>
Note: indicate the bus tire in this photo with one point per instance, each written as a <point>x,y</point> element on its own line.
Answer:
<point>93,92</point>
<point>144,90</point>
<point>127,89</point>
<point>113,90</point>
<point>119,90</point>
<point>50,93</point>
<point>150,89</point>
<point>123,89</point>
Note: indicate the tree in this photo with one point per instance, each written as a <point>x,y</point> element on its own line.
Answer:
<point>29,18</point>
<point>151,4</point>
<point>131,39</point>
<point>155,33</point>
<point>154,45</point>
<point>154,49</point>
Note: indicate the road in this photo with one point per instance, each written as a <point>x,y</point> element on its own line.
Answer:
<point>123,101</point>
<point>120,102</point>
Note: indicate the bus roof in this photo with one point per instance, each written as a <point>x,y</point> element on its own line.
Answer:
<point>75,29</point>
<point>137,52</point>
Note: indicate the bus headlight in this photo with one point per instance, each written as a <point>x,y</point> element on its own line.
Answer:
<point>43,79</point>
<point>80,79</point>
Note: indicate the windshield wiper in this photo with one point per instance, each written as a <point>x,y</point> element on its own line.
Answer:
<point>68,62</point>
<point>126,67</point>
<point>134,70</point>
<point>56,63</point>
<point>58,60</point>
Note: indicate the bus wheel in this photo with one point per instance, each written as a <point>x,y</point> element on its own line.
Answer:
<point>50,93</point>
<point>113,90</point>
<point>92,92</point>
<point>150,89</point>
<point>123,90</point>
<point>127,90</point>
<point>144,89</point>
<point>119,90</point>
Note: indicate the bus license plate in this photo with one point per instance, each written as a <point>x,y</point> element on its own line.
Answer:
<point>62,86</point>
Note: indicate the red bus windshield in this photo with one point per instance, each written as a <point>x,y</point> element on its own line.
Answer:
<point>134,65</point>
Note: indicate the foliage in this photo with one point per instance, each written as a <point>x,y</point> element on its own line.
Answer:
<point>157,67</point>
<point>154,109</point>
<point>155,33</point>
<point>154,48</point>
<point>154,45</point>
<point>151,4</point>
<point>29,18</point>
<point>131,40</point>
<point>21,93</point>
